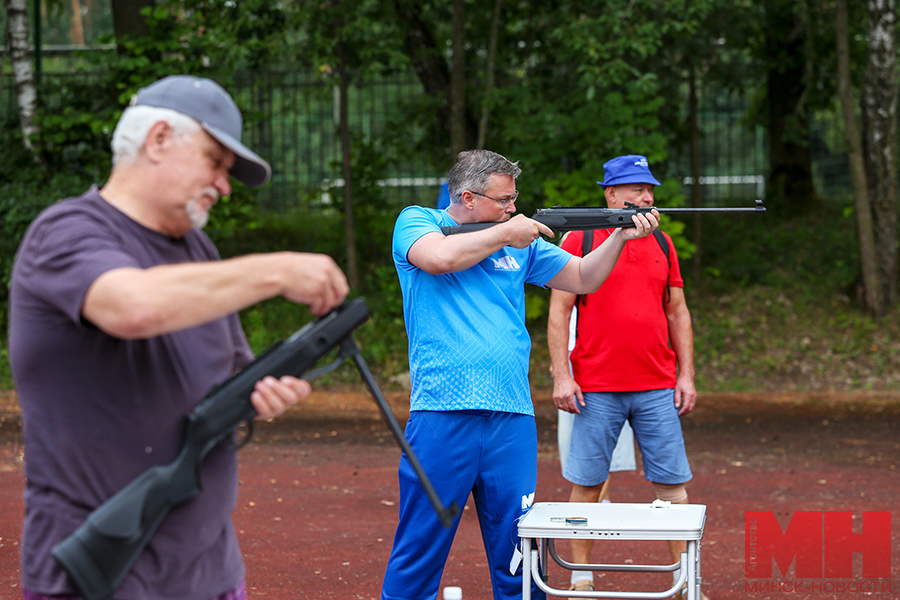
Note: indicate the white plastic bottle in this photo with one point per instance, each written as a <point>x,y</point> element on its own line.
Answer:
<point>452,593</point>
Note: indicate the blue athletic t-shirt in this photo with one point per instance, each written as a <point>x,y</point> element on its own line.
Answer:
<point>468,346</point>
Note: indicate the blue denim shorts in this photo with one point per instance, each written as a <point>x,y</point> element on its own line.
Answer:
<point>657,429</point>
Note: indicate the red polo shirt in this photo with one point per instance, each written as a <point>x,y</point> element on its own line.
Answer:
<point>622,344</point>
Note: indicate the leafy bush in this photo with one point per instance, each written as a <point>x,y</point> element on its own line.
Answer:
<point>816,255</point>
<point>763,338</point>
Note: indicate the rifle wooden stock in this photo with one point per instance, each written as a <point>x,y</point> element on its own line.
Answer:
<point>99,554</point>
<point>583,218</point>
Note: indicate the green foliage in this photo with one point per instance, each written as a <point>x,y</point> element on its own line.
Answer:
<point>575,189</point>
<point>816,256</point>
<point>582,82</point>
<point>78,115</point>
<point>551,137</point>
<point>321,230</point>
<point>357,39</point>
<point>6,379</point>
<point>25,190</point>
<point>271,321</point>
<point>373,213</point>
<point>234,213</point>
<point>766,338</point>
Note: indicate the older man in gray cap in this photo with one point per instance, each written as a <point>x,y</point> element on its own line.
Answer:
<point>122,316</point>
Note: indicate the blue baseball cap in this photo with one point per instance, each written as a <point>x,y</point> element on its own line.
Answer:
<point>209,104</point>
<point>631,168</point>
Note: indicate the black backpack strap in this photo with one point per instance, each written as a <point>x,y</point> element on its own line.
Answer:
<point>664,245</point>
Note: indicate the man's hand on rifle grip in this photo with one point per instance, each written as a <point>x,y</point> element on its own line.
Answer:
<point>644,225</point>
<point>272,397</point>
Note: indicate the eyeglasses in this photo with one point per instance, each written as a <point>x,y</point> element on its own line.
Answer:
<point>503,203</point>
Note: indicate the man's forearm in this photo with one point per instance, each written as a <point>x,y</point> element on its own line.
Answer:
<point>140,303</point>
<point>560,314</point>
<point>439,255</point>
<point>681,336</point>
<point>598,264</point>
<point>557,344</point>
<point>585,275</point>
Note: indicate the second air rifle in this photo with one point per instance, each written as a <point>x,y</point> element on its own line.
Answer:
<point>580,218</point>
<point>100,553</point>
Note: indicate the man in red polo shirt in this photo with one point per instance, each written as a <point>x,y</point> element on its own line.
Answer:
<point>632,360</point>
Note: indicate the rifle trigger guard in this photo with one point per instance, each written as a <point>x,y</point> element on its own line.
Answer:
<point>348,349</point>
<point>245,439</point>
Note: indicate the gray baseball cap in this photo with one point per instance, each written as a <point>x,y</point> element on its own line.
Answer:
<point>208,103</point>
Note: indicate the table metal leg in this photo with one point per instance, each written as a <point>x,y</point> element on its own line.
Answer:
<point>692,571</point>
<point>544,565</point>
<point>526,568</point>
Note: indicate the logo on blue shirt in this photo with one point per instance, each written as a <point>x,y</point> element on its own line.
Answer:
<point>506,263</point>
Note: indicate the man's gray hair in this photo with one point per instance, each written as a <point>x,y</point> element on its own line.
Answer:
<point>473,169</point>
<point>134,126</point>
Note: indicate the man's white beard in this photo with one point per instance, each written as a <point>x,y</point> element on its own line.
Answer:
<point>199,217</point>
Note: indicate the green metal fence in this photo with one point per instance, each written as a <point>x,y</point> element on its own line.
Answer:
<point>292,121</point>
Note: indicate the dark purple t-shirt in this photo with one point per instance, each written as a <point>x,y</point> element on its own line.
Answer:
<point>98,410</point>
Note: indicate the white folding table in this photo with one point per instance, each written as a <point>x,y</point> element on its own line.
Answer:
<point>550,521</point>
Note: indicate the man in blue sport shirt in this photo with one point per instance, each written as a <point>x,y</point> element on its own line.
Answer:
<point>471,417</point>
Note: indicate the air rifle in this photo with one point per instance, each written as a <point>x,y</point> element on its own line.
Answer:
<point>581,218</point>
<point>99,554</point>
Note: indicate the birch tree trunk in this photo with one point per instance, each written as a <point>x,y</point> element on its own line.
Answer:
<point>26,91</point>
<point>879,105</point>
<point>862,207</point>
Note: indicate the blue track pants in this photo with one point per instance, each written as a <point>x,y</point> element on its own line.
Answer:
<point>493,456</point>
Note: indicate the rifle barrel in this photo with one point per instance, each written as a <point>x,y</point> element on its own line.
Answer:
<point>722,209</point>
<point>716,209</point>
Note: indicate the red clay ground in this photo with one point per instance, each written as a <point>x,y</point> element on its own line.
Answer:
<point>317,508</point>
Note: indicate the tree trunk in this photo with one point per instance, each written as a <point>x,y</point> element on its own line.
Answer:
<point>491,68</point>
<point>344,135</point>
<point>77,24</point>
<point>696,170</point>
<point>427,61</point>
<point>789,188</point>
<point>879,105</point>
<point>26,90</point>
<point>349,225</point>
<point>426,54</point>
<point>868,257</point>
<point>128,22</point>
<point>422,49</point>
<point>458,80</point>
